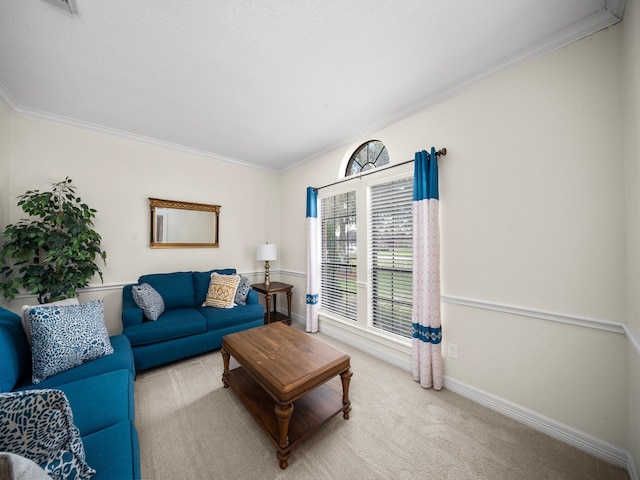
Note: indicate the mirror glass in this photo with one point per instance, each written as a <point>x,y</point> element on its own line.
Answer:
<point>183,224</point>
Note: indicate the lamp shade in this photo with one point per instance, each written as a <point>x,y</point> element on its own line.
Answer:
<point>267,252</point>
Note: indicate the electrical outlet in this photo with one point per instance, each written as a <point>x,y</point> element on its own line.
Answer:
<point>453,350</point>
<point>300,303</point>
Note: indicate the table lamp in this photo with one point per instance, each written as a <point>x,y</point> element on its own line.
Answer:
<point>266,253</point>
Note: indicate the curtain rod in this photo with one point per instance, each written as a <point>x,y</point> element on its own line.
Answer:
<point>440,153</point>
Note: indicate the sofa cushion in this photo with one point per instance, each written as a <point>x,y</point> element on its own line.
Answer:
<point>38,424</point>
<point>222,290</point>
<point>101,401</point>
<point>114,452</point>
<point>176,323</point>
<point>243,290</point>
<point>121,358</point>
<point>15,353</point>
<point>131,313</point>
<point>253,297</point>
<point>176,289</point>
<point>219,318</point>
<point>202,280</point>
<point>66,336</point>
<point>149,300</point>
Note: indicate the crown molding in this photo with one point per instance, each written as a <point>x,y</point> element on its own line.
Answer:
<point>114,132</point>
<point>610,14</point>
<point>616,7</point>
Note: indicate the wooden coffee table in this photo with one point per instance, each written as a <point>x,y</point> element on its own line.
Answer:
<point>288,381</point>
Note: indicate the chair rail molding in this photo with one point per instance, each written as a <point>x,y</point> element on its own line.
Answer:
<point>587,322</point>
<point>616,327</point>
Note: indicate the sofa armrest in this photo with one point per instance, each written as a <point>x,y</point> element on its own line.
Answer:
<point>131,313</point>
<point>15,351</point>
<point>253,297</point>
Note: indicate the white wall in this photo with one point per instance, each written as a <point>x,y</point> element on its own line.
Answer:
<point>117,176</point>
<point>631,110</point>
<point>5,129</point>
<point>531,216</point>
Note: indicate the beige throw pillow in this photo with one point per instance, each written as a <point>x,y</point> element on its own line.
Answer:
<point>222,290</point>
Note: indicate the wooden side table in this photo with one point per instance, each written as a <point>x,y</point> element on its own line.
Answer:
<point>272,290</point>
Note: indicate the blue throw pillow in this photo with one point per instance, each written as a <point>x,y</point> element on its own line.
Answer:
<point>243,290</point>
<point>38,425</point>
<point>149,300</point>
<point>65,336</point>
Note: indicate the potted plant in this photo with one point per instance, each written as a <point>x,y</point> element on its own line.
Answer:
<point>53,253</point>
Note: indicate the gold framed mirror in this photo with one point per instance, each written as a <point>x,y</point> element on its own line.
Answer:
<point>183,224</point>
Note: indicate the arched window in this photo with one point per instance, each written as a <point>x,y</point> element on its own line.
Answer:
<point>367,156</point>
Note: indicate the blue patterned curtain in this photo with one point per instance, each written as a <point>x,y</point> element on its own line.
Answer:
<point>313,260</point>
<point>427,332</point>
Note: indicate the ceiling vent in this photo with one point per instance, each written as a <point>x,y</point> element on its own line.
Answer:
<point>68,5</point>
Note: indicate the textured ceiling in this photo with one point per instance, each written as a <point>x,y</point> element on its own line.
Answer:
<point>267,83</point>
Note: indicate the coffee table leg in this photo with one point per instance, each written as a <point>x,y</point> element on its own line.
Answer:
<point>346,379</point>
<point>283,413</point>
<point>225,361</point>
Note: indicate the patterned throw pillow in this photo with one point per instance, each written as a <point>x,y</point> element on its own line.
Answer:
<point>65,336</point>
<point>26,323</point>
<point>38,425</point>
<point>222,290</point>
<point>243,290</point>
<point>149,300</point>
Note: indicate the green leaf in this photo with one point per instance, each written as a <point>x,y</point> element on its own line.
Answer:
<point>54,252</point>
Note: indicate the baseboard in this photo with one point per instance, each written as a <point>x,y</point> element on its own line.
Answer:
<point>560,431</point>
<point>566,434</point>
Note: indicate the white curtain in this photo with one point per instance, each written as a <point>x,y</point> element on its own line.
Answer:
<point>427,330</point>
<point>313,260</point>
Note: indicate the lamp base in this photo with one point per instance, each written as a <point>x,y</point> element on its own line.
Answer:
<point>266,273</point>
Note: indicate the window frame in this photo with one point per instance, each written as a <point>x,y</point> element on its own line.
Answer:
<point>363,326</point>
<point>363,167</point>
<point>402,296</point>
<point>342,309</point>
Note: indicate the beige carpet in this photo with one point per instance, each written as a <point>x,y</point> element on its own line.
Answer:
<point>190,427</point>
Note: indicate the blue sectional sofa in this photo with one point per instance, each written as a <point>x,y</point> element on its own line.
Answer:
<point>186,327</point>
<point>100,393</point>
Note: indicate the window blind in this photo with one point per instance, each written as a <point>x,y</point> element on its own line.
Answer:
<point>338,271</point>
<point>391,249</point>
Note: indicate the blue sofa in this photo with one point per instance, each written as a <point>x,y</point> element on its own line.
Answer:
<point>100,393</point>
<point>186,328</point>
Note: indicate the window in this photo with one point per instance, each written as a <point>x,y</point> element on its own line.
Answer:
<point>338,270</point>
<point>366,286</point>
<point>367,156</point>
<point>391,264</point>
